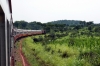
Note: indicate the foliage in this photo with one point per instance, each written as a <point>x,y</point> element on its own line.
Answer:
<point>56,26</point>
<point>63,45</point>
<point>84,51</point>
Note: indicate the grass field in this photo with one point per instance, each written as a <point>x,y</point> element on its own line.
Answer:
<point>64,51</point>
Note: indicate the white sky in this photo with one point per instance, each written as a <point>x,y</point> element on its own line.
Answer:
<point>50,10</point>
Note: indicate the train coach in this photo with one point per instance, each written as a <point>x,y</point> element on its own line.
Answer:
<point>6,25</point>
<point>20,33</point>
<point>8,35</point>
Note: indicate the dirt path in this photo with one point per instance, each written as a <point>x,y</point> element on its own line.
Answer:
<point>20,59</point>
<point>24,60</point>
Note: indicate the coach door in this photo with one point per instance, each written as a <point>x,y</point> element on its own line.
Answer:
<point>4,40</point>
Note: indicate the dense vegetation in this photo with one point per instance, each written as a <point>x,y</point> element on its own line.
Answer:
<point>60,25</point>
<point>69,22</point>
<point>73,46</point>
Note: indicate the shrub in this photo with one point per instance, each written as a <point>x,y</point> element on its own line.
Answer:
<point>64,55</point>
<point>71,42</point>
<point>47,48</point>
<point>35,39</point>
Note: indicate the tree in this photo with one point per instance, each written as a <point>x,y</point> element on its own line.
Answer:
<point>16,24</point>
<point>83,23</point>
<point>21,24</point>
<point>77,27</point>
<point>97,29</point>
<point>90,23</point>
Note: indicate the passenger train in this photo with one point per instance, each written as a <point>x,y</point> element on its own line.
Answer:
<point>20,33</point>
<point>9,35</point>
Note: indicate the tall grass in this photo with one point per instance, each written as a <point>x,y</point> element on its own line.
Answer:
<point>65,51</point>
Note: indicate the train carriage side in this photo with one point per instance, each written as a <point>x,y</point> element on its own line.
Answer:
<point>5,32</point>
<point>19,33</point>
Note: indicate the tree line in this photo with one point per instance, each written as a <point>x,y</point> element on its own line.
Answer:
<point>57,26</point>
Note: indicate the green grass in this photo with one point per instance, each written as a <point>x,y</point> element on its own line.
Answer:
<point>18,63</point>
<point>65,51</point>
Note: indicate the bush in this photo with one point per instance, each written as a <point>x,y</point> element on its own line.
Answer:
<point>38,39</point>
<point>64,55</point>
<point>35,39</point>
<point>71,42</point>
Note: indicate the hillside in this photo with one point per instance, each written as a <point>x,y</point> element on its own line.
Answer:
<point>59,24</point>
<point>68,22</point>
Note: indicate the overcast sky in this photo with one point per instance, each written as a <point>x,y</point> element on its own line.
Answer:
<point>50,10</point>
